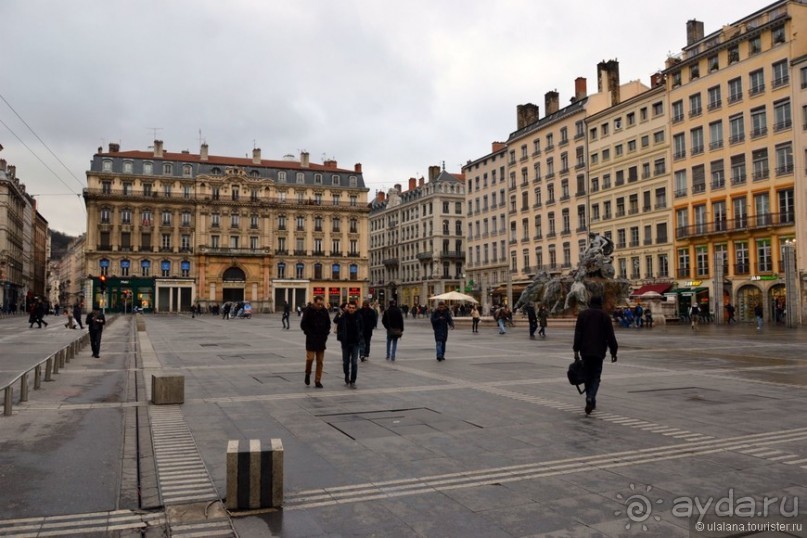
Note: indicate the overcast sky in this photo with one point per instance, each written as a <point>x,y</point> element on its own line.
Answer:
<point>396,86</point>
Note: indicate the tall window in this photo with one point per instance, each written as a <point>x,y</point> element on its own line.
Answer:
<point>145,268</point>
<point>764,261</point>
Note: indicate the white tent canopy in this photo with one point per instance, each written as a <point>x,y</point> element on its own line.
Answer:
<point>454,296</point>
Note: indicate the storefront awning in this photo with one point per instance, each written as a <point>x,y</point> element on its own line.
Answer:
<point>690,291</point>
<point>657,288</point>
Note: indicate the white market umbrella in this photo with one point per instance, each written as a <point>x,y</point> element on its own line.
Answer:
<point>454,296</point>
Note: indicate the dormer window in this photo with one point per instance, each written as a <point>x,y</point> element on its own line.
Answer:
<point>187,170</point>
<point>335,179</point>
<point>127,167</point>
<point>300,177</point>
<point>353,181</point>
<point>318,179</point>
<point>106,165</point>
<point>168,169</point>
<point>254,173</point>
<point>216,171</point>
<point>281,177</point>
<point>148,168</point>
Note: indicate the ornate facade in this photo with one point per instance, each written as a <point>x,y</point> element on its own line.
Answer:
<point>208,229</point>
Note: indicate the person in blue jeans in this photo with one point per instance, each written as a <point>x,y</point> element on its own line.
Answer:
<point>758,315</point>
<point>441,322</point>
<point>350,332</point>
<point>393,322</point>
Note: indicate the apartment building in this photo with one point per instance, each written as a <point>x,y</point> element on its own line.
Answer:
<point>486,227</point>
<point>629,186</point>
<point>547,179</point>
<point>731,100</point>
<point>23,244</point>
<point>171,229</point>
<point>416,239</point>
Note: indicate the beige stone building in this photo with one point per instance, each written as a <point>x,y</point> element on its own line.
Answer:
<point>69,275</point>
<point>416,239</point>
<point>173,229</point>
<point>629,186</point>
<point>486,224</point>
<point>731,97</point>
<point>23,244</point>
<point>547,182</point>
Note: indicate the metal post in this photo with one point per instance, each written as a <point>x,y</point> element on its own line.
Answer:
<point>7,403</point>
<point>791,298</point>
<point>24,387</point>
<point>37,376</point>
<point>49,369</point>
<point>56,362</point>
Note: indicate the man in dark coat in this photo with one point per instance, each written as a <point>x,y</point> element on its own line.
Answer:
<point>593,334</point>
<point>95,323</point>
<point>369,319</point>
<point>532,317</point>
<point>316,324</point>
<point>286,312</point>
<point>393,322</point>
<point>350,332</point>
<point>77,315</point>
<point>441,321</point>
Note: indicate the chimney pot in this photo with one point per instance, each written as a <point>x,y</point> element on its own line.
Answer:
<point>357,168</point>
<point>580,88</point>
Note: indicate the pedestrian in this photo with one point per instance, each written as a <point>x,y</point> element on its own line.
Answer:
<point>543,314</point>
<point>69,315</point>
<point>369,319</point>
<point>39,314</point>
<point>730,312</point>
<point>593,334</point>
<point>95,323</point>
<point>316,324</point>
<point>286,313</point>
<point>475,317</point>
<point>393,322</point>
<point>532,317</point>
<point>349,333</point>
<point>77,315</point>
<point>441,322</point>
<point>637,315</point>
<point>758,315</point>
<point>501,317</point>
<point>694,312</point>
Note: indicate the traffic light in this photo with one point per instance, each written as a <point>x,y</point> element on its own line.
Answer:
<point>102,284</point>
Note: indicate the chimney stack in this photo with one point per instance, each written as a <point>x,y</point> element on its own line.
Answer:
<point>2,165</point>
<point>413,183</point>
<point>526,115</point>
<point>114,148</point>
<point>256,156</point>
<point>656,79</point>
<point>497,146</point>
<point>580,88</point>
<point>379,197</point>
<point>694,31</point>
<point>421,181</point>
<point>330,164</point>
<point>304,159</point>
<point>357,168</point>
<point>158,149</point>
<point>551,102</point>
<point>608,80</point>
<point>203,152</point>
<point>434,171</point>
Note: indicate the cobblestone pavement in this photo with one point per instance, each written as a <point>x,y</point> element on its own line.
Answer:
<point>493,441</point>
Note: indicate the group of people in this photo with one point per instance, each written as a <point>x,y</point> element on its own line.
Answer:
<point>637,316</point>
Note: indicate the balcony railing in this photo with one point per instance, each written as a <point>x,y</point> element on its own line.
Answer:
<point>738,224</point>
<point>228,251</point>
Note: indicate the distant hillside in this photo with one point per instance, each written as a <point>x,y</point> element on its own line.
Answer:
<point>58,244</point>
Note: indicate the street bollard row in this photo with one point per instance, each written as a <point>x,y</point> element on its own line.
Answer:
<point>52,366</point>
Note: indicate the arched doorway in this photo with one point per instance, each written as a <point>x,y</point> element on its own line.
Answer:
<point>777,303</point>
<point>234,281</point>
<point>747,298</point>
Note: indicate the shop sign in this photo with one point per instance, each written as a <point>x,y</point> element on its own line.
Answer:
<point>765,277</point>
<point>333,291</point>
<point>694,283</point>
<point>319,291</point>
<point>354,291</point>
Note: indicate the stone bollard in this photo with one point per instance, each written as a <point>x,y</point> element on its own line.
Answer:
<point>254,474</point>
<point>24,387</point>
<point>9,398</point>
<point>37,376</point>
<point>56,361</point>
<point>62,357</point>
<point>167,389</point>
<point>49,369</point>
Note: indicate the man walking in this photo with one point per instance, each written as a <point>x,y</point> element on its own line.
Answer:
<point>441,321</point>
<point>758,315</point>
<point>532,317</point>
<point>542,316</point>
<point>369,319</point>
<point>730,312</point>
<point>316,324</point>
<point>393,322</point>
<point>95,323</point>
<point>77,315</point>
<point>593,334</point>
<point>286,313</point>
<point>350,332</point>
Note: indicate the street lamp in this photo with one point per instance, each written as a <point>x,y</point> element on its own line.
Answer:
<point>791,298</point>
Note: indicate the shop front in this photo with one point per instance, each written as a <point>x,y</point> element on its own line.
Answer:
<point>692,293</point>
<point>124,294</point>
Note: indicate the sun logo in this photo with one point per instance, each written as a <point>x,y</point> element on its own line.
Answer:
<point>638,507</point>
